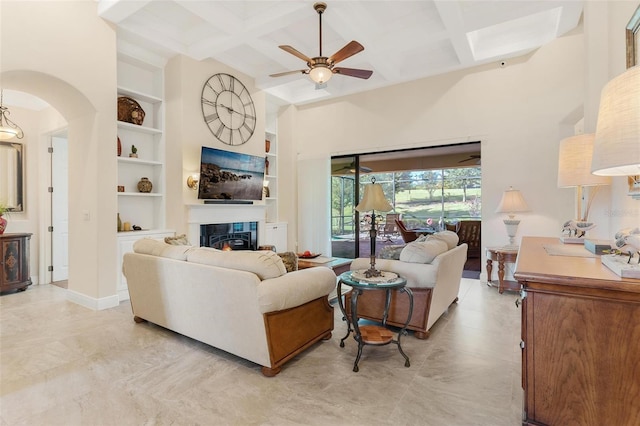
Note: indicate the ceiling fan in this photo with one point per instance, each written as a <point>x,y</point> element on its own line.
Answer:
<point>349,169</point>
<point>471,157</point>
<point>321,68</point>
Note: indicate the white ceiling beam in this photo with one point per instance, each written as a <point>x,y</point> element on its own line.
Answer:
<point>117,11</point>
<point>451,17</point>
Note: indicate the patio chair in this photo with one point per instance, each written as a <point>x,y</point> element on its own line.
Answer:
<point>407,234</point>
<point>390,227</point>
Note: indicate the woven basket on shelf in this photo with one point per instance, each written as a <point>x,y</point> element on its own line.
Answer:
<point>130,111</point>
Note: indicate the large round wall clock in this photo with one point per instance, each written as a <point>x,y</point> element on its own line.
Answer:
<point>228,109</point>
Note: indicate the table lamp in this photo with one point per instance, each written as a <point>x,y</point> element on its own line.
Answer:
<point>512,202</point>
<point>574,171</point>
<point>373,200</point>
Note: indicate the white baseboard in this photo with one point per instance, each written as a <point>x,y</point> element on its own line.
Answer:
<point>91,302</point>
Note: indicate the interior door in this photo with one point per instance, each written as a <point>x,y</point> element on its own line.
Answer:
<point>59,208</point>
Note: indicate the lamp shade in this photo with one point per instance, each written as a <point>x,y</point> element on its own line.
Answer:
<point>574,163</point>
<point>512,202</point>
<point>374,199</point>
<point>616,149</point>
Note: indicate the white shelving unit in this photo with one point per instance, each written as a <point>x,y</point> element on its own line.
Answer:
<point>271,177</point>
<point>145,84</point>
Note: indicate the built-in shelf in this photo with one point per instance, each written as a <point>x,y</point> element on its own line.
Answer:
<point>143,83</point>
<point>137,128</point>
<point>138,161</point>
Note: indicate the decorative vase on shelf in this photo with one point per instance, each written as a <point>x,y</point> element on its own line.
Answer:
<point>266,166</point>
<point>267,145</point>
<point>3,224</point>
<point>119,223</point>
<point>145,185</point>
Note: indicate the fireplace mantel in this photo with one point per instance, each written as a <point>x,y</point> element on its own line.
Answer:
<point>204,214</point>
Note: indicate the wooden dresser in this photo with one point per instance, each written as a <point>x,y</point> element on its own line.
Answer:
<point>580,339</point>
<point>14,262</point>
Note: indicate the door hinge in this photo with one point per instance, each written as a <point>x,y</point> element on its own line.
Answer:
<point>522,344</point>
<point>50,150</point>
<point>50,229</point>
<point>50,189</point>
<point>50,269</point>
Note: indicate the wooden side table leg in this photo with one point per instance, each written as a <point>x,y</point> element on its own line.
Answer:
<point>489,270</point>
<point>500,273</point>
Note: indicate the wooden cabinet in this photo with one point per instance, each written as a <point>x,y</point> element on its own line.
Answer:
<point>14,261</point>
<point>580,339</point>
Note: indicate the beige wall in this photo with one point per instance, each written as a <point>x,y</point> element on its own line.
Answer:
<point>520,113</point>
<point>186,131</point>
<point>66,55</point>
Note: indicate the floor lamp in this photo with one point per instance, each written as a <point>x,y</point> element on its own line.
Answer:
<point>373,200</point>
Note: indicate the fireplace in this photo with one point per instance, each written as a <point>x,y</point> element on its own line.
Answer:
<point>230,236</point>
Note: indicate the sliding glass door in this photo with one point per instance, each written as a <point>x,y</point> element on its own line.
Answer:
<point>423,186</point>
<point>344,198</point>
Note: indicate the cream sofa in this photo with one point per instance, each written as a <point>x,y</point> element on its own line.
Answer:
<point>243,302</point>
<point>434,284</point>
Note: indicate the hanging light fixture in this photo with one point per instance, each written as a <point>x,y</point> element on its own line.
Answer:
<point>8,129</point>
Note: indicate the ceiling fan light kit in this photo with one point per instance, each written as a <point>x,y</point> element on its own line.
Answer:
<point>321,68</point>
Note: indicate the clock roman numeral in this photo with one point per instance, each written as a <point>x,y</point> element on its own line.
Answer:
<point>211,117</point>
<point>213,89</point>
<point>218,132</point>
<point>224,86</point>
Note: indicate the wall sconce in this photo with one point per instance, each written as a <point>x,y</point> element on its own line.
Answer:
<point>192,181</point>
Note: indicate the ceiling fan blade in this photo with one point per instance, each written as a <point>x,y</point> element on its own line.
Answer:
<point>295,52</point>
<point>350,49</point>
<point>280,74</point>
<point>353,72</point>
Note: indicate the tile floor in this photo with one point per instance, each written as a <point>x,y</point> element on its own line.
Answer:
<point>62,364</point>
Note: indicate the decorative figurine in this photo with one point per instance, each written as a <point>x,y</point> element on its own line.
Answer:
<point>577,227</point>
<point>628,240</point>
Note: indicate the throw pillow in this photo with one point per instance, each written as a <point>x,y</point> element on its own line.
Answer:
<point>178,240</point>
<point>423,252</point>
<point>290,260</point>
<point>391,252</point>
<point>449,237</point>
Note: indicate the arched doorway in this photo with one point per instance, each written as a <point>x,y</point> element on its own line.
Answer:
<point>92,242</point>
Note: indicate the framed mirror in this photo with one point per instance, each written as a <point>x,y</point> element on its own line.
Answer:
<point>12,175</point>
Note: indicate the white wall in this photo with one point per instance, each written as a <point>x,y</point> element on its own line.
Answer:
<point>520,113</point>
<point>186,131</point>
<point>66,55</point>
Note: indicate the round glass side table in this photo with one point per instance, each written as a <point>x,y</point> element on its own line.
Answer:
<point>377,335</point>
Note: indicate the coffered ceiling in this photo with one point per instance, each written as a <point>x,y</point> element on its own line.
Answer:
<point>403,40</point>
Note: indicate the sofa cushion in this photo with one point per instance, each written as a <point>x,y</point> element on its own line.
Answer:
<point>423,252</point>
<point>161,249</point>
<point>265,264</point>
<point>449,237</point>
